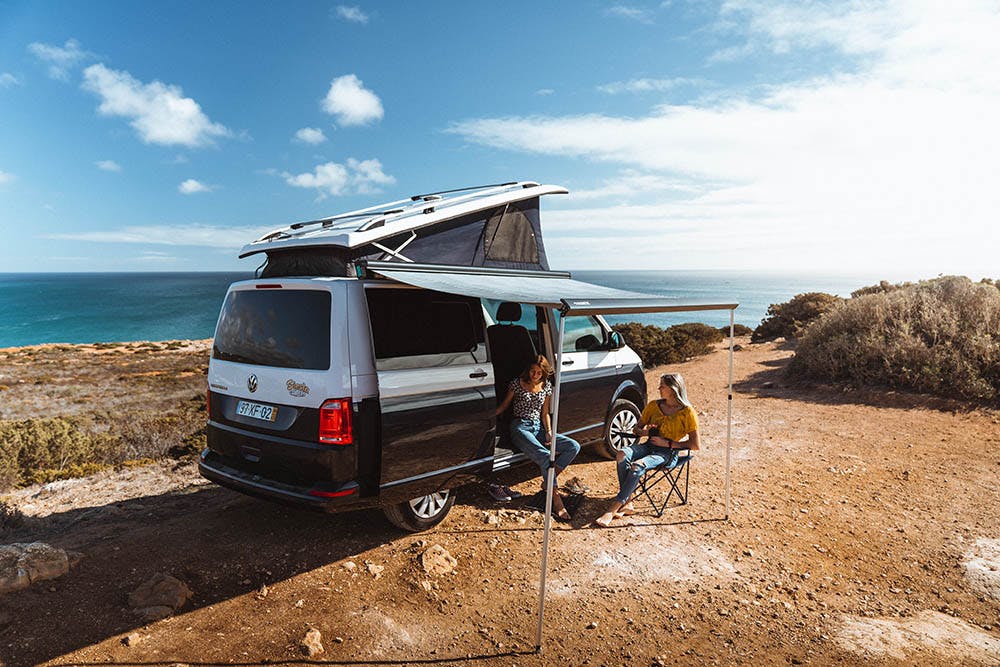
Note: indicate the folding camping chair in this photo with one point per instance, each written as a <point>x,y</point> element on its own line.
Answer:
<point>671,474</point>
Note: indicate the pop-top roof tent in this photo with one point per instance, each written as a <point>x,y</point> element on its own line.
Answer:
<point>489,226</point>
<point>484,242</point>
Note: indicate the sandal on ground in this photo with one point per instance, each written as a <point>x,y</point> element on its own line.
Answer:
<point>576,487</point>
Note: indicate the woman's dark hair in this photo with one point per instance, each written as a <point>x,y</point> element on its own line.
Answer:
<point>542,363</point>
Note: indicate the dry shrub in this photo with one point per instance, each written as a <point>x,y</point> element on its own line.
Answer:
<point>657,346</point>
<point>792,318</point>
<point>41,449</point>
<point>36,451</point>
<point>738,330</point>
<point>939,336</point>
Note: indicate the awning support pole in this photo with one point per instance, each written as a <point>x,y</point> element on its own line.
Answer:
<point>729,418</point>
<point>550,483</point>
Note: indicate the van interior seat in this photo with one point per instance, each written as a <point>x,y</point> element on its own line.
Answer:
<point>511,350</point>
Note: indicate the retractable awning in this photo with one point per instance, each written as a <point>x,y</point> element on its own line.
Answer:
<point>552,289</point>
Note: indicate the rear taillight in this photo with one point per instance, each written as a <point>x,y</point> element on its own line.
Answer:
<point>335,422</point>
<point>208,403</point>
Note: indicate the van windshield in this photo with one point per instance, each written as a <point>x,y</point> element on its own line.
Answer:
<point>275,327</point>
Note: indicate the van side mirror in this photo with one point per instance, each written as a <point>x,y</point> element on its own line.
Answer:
<point>615,341</point>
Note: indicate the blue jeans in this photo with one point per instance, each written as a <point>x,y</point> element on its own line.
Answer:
<point>639,458</point>
<point>528,435</point>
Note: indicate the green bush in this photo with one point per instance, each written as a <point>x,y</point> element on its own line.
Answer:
<point>657,346</point>
<point>939,336</point>
<point>790,319</point>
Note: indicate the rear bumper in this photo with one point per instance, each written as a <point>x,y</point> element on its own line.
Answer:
<point>320,496</point>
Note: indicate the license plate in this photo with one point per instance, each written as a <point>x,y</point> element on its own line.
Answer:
<point>266,413</point>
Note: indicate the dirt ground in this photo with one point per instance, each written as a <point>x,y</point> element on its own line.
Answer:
<point>863,529</point>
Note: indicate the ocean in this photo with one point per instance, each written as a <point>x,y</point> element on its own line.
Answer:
<point>111,307</point>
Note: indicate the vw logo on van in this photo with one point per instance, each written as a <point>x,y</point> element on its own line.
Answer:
<point>252,383</point>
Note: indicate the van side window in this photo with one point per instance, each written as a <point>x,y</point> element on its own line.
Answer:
<point>423,329</point>
<point>578,327</point>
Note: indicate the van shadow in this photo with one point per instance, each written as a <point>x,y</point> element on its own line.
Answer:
<point>221,544</point>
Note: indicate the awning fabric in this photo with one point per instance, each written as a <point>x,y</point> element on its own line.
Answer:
<point>552,289</point>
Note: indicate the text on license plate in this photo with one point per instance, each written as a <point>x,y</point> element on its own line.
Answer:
<point>257,411</point>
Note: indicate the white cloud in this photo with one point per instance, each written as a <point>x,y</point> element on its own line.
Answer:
<point>352,14</point>
<point>6,177</point>
<point>648,85</point>
<point>888,164</point>
<point>170,235</point>
<point>191,186</point>
<point>310,135</point>
<point>633,13</point>
<point>331,178</point>
<point>542,92</point>
<point>60,59</point>
<point>351,102</point>
<point>153,257</point>
<point>7,80</point>
<point>631,184</point>
<point>159,113</point>
<point>108,165</point>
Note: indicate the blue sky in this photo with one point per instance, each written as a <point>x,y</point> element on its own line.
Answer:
<point>852,137</point>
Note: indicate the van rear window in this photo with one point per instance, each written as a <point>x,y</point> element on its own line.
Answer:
<point>275,327</point>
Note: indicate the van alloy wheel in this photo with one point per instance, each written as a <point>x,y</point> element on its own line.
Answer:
<point>422,512</point>
<point>427,507</point>
<point>622,418</point>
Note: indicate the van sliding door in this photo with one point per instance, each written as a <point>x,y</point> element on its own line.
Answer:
<point>435,389</point>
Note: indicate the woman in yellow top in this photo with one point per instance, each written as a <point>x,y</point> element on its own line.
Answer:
<point>671,424</point>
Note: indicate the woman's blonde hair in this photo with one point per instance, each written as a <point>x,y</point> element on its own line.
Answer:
<point>542,363</point>
<point>676,383</point>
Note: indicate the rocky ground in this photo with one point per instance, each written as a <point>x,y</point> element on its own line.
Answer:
<point>863,528</point>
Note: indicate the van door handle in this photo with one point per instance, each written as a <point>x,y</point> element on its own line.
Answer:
<point>568,362</point>
<point>478,374</point>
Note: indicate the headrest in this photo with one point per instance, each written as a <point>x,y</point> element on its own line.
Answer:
<point>509,312</point>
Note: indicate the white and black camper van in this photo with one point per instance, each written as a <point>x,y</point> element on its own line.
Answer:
<point>363,366</point>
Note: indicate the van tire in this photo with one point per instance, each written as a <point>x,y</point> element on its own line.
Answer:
<point>421,513</point>
<point>622,416</point>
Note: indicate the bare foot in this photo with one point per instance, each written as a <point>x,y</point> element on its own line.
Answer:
<point>604,521</point>
<point>627,510</point>
<point>559,509</point>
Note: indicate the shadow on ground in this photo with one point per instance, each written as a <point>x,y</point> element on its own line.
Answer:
<point>221,544</point>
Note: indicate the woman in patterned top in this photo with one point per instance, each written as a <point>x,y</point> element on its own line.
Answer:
<point>529,397</point>
<point>671,424</point>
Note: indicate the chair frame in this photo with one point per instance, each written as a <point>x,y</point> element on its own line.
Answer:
<point>654,476</point>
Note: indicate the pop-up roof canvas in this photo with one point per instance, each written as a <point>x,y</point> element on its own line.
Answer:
<point>489,226</point>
